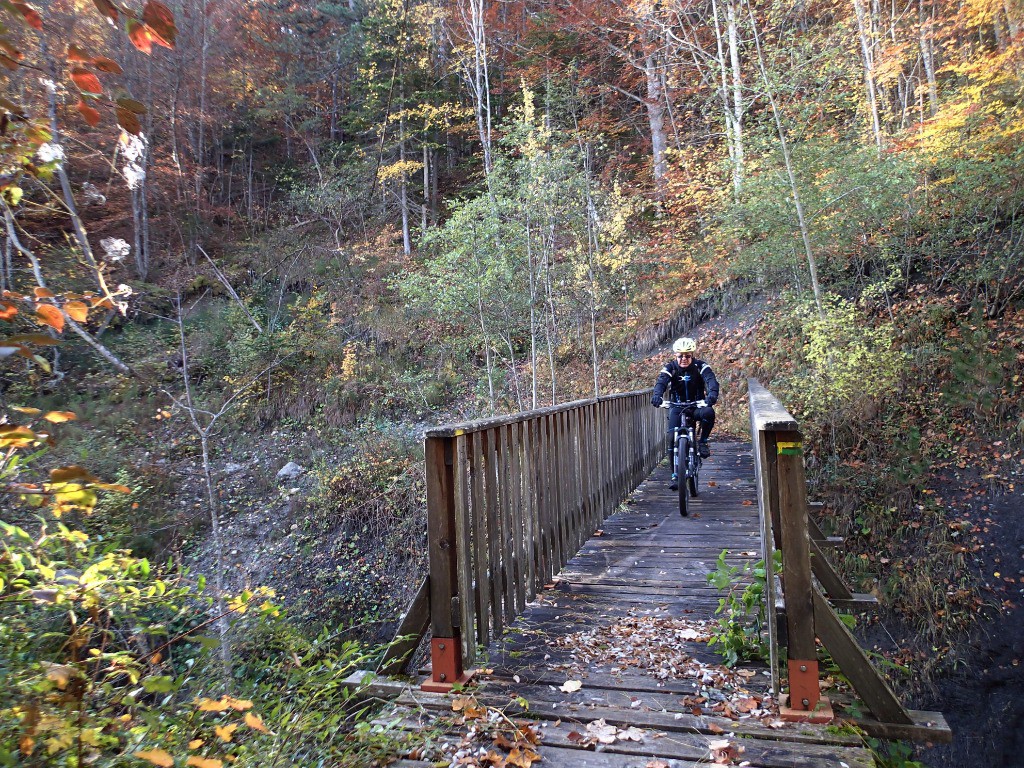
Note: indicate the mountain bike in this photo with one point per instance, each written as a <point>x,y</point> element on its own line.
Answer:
<point>686,461</point>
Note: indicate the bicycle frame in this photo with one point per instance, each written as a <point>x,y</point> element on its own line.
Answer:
<point>686,460</point>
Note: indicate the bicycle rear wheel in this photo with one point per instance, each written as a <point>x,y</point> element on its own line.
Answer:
<point>683,452</point>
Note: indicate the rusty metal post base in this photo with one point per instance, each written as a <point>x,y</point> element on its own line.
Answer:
<point>431,686</point>
<point>446,665</point>
<point>822,712</point>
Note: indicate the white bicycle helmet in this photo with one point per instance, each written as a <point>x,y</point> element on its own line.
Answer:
<point>684,344</point>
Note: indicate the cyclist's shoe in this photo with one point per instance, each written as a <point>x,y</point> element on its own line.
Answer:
<point>674,483</point>
<point>703,449</point>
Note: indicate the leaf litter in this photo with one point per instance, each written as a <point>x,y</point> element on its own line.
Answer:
<point>656,645</point>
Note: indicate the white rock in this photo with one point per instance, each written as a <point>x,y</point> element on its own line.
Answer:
<point>290,471</point>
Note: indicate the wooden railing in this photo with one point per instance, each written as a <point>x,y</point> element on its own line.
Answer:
<point>811,589</point>
<point>511,499</point>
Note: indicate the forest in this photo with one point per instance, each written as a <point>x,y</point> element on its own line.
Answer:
<point>252,250</point>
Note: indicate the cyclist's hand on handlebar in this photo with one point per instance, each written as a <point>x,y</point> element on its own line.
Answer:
<point>656,401</point>
<point>702,403</point>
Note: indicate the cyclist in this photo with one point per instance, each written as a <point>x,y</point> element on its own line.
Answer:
<point>687,379</point>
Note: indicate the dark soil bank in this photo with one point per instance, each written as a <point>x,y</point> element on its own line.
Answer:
<point>983,700</point>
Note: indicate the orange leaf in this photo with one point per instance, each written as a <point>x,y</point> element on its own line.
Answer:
<point>255,722</point>
<point>73,472</point>
<point>86,81</point>
<point>160,22</point>
<point>209,705</point>
<point>77,311</point>
<point>31,15</point>
<point>7,310</point>
<point>103,64</point>
<point>225,732</point>
<point>77,55</point>
<point>204,762</point>
<point>44,293</point>
<point>47,314</point>
<point>240,704</point>
<point>140,36</point>
<point>157,757</point>
<point>89,114</point>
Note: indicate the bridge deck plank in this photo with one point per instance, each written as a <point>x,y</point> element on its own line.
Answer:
<point>646,563</point>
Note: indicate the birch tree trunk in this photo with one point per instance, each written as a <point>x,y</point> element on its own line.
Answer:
<point>867,49</point>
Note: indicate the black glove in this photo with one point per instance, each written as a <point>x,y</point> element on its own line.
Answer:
<point>656,401</point>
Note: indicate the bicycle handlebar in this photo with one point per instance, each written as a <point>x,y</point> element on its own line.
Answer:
<point>684,404</point>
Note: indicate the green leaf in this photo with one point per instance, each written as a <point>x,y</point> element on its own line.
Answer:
<point>159,684</point>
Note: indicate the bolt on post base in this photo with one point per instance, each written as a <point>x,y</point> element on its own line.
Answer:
<point>822,712</point>
<point>446,666</point>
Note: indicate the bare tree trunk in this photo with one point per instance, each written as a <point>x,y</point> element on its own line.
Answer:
<point>737,88</point>
<point>404,187</point>
<point>533,312</point>
<point>201,128</point>
<point>927,30</point>
<point>426,187</point>
<point>733,112</point>
<point>794,188</point>
<point>479,76</point>
<point>655,103</point>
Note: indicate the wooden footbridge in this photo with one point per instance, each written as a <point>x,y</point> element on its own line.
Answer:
<point>570,612</point>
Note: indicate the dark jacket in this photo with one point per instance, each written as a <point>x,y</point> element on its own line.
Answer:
<point>694,382</point>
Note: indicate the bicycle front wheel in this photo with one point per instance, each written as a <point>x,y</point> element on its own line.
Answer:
<point>693,473</point>
<point>683,452</point>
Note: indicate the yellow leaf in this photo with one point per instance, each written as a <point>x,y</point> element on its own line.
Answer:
<point>29,411</point>
<point>196,743</point>
<point>204,762</point>
<point>240,704</point>
<point>225,732</point>
<point>157,757</point>
<point>209,705</point>
<point>255,722</point>
<point>77,311</point>
<point>56,417</point>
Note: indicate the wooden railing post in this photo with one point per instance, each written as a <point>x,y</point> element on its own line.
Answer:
<point>804,693</point>
<point>446,643</point>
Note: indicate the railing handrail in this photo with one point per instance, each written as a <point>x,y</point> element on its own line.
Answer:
<point>468,427</point>
<point>511,499</point>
